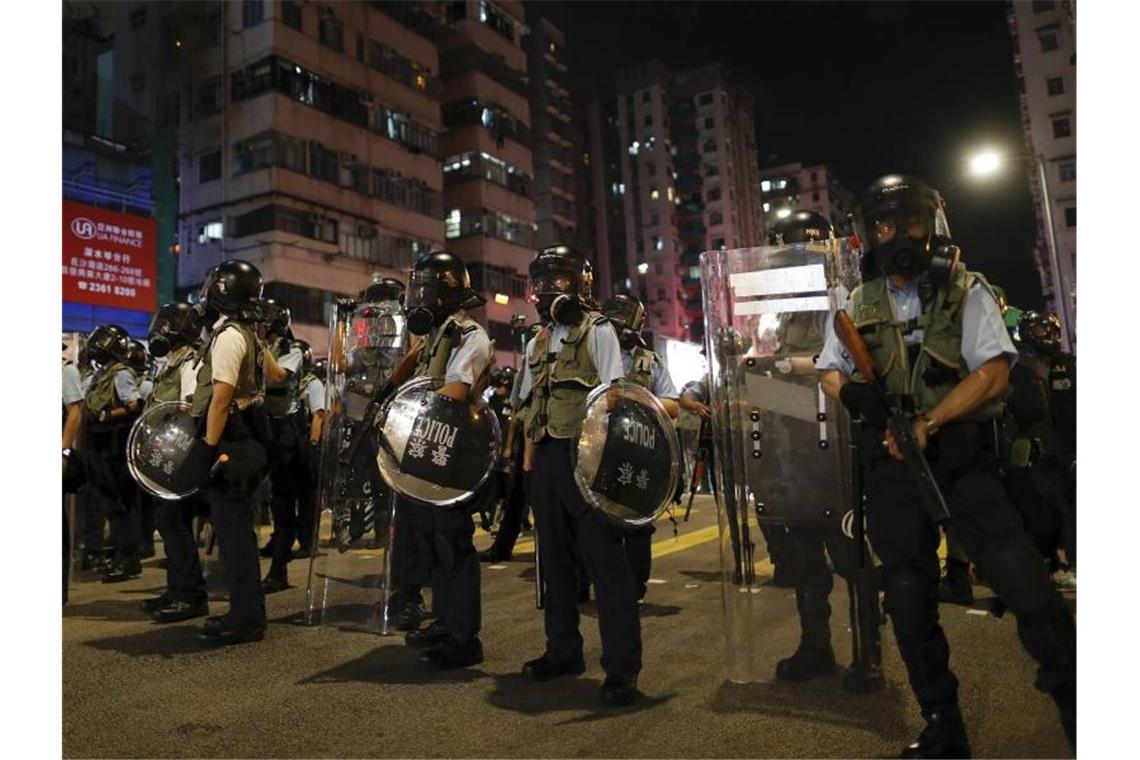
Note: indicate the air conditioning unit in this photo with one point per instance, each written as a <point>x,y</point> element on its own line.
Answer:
<point>348,159</point>
<point>366,99</point>
<point>365,231</point>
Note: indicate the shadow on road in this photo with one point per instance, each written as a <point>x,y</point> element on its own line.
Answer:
<point>119,610</point>
<point>581,695</point>
<point>823,702</point>
<point>161,641</point>
<point>394,664</point>
<point>705,576</point>
<point>649,609</point>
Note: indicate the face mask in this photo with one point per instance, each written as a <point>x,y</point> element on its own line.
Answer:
<point>566,310</point>
<point>627,339</point>
<point>420,320</point>
<point>903,255</point>
<point>158,345</point>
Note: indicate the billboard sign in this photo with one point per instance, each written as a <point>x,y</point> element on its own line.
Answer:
<point>108,258</point>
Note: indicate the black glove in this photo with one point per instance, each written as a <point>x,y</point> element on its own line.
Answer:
<point>195,470</point>
<point>868,401</point>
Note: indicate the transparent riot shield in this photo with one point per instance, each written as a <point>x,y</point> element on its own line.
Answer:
<point>784,467</point>
<point>350,569</point>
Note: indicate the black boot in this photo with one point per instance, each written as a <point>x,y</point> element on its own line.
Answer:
<point>123,568</point>
<point>944,735</point>
<point>954,588</point>
<point>814,656</point>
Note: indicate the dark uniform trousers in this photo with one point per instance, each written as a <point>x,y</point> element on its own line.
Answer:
<point>567,528</point>
<point>990,530</point>
<point>232,514</point>
<point>639,554</point>
<point>288,475</point>
<point>433,545</point>
<point>113,491</point>
<point>511,523</point>
<point>175,523</point>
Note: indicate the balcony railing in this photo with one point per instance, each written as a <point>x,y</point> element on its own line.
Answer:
<point>459,61</point>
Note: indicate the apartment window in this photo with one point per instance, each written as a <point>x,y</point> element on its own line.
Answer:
<point>456,11</point>
<point>209,232</point>
<point>765,186</point>
<point>713,194</point>
<point>1048,41</point>
<point>1071,216</point>
<point>1043,6</point>
<point>657,268</point>
<point>660,294</point>
<point>1068,171</point>
<point>138,81</point>
<point>206,100</point>
<point>1062,127</point>
<point>709,146</point>
<point>658,243</point>
<point>209,166</point>
<point>651,170</point>
<point>252,13</point>
<point>1055,85</point>
<point>813,176</point>
<point>654,194</point>
<point>718,244</point>
<point>654,219</point>
<point>712,170</point>
<point>710,122</point>
<point>716,218</point>
<point>645,96</point>
<point>815,196</point>
<point>291,14</point>
<point>705,99</point>
<point>331,30</point>
<point>137,18</point>
<point>648,120</point>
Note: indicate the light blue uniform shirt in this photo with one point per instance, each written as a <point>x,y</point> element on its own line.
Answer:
<point>315,395</point>
<point>660,380</point>
<point>984,336</point>
<point>72,385</point>
<point>126,388</point>
<point>469,358</point>
<point>602,343</point>
<point>290,361</point>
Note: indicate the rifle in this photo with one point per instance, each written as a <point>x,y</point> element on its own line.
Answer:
<point>900,422</point>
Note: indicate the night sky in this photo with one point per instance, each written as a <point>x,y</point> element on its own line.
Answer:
<point>867,88</point>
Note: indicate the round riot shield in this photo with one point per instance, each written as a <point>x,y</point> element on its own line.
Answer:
<point>626,459</point>
<point>157,446</point>
<point>433,448</point>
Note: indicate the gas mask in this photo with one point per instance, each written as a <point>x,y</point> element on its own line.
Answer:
<point>159,345</point>
<point>910,257</point>
<point>628,339</point>
<point>560,308</point>
<point>422,319</point>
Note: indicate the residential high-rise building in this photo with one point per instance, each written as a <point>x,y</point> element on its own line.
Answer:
<point>306,138</point>
<point>689,181</point>
<point>790,187</point>
<point>1045,56</point>
<point>553,133</point>
<point>488,167</point>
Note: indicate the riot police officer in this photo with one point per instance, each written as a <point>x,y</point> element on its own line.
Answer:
<point>311,398</point>
<point>229,459</point>
<point>576,350</point>
<point>72,468</point>
<point>806,547</point>
<point>454,349</point>
<point>513,479</point>
<point>113,403</point>
<point>175,333</point>
<point>645,367</point>
<point>937,342</point>
<point>287,447</point>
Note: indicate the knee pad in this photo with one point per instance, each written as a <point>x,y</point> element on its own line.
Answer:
<point>1016,571</point>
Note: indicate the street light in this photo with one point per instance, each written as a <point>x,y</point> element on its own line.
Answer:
<point>987,163</point>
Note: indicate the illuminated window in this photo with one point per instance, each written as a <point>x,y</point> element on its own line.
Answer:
<point>654,194</point>
<point>765,186</point>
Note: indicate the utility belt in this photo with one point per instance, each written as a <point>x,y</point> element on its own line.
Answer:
<point>95,427</point>
<point>252,422</point>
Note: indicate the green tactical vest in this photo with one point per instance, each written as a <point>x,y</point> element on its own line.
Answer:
<point>248,375</point>
<point>168,383</point>
<point>558,398</point>
<point>101,396</point>
<point>303,392</point>
<point>641,368</point>
<point>439,343</point>
<point>279,397</point>
<point>941,324</point>
<point>800,335</point>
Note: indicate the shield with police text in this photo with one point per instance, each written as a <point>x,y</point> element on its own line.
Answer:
<point>626,459</point>
<point>348,572</point>
<point>158,444</point>
<point>434,448</point>
<point>783,452</point>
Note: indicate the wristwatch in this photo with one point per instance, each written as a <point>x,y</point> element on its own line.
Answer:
<point>930,428</point>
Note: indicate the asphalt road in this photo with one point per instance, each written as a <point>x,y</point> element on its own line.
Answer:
<point>135,689</point>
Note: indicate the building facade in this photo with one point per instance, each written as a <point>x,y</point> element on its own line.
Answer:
<point>1045,57</point>
<point>791,187</point>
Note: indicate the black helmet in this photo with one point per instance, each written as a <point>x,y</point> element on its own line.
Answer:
<point>233,288</point>
<point>503,376</point>
<point>1042,332</point>
<point>384,289</point>
<point>904,226</point>
<point>275,316</point>
<point>440,287</point>
<point>321,368</point>
<point>108,343</point>
<point>800,226</point>
<point>628,315</point>
<point>137,357</point>
<point>173,326</point>
<point>561,279</point>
